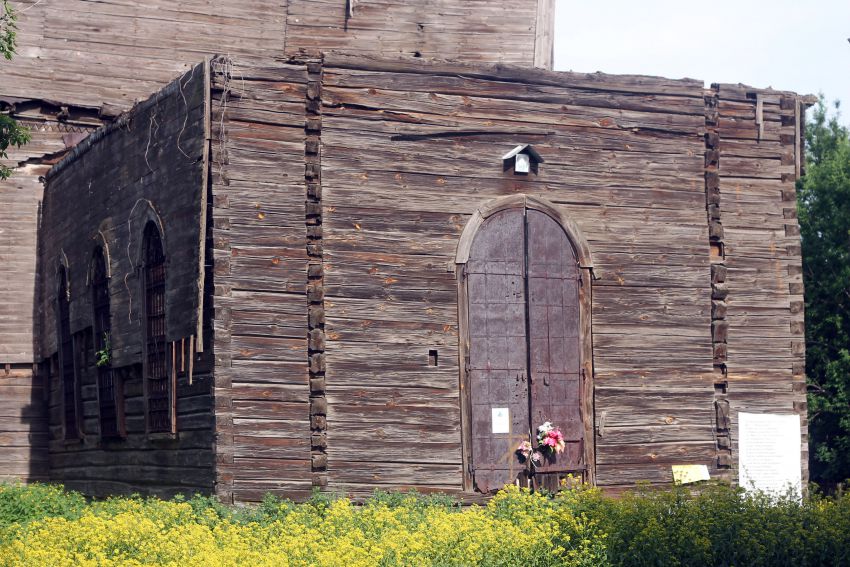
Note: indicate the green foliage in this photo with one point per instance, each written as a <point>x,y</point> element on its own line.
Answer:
<point>103,355</point>
<point>723,526</point>
<point>824,212</point>
<point>20,505</point>
<point>413,499</point>
<point>11,133</point>
<point>7,30</point>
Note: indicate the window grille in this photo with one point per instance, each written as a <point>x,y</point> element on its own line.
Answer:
<point>110,396</point>
<point>67,370</point>
<point>158,387</point>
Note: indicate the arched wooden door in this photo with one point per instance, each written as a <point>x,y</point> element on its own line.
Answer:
<point>523,364</point>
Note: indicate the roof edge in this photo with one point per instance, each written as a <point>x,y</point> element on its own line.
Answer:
<point>122,120</point>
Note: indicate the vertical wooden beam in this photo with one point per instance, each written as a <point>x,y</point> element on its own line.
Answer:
<point>798,146</point>
<point>191,358</point>
<point>173,401</point>
<point>587,377</point>
<point>463,361</point>
<point>221,73</point>
<point>315,275</point>
<point>719,289</point>
<point>205,191</point>
<point>796,305</point>
<point>544,35</point>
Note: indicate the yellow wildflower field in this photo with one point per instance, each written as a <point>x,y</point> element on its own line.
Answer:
<point>515,528</point>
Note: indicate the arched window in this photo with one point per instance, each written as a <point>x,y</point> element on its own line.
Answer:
<point>159,391</point>
<point>67,361</point>
<point>525,341</point>
<point>109,393</point>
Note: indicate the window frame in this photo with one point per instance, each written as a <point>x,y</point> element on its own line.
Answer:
<point>102,324</point>
<point>67,358</point>
<point>146,267</point>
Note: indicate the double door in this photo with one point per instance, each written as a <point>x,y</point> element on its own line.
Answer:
<point>523,362</point>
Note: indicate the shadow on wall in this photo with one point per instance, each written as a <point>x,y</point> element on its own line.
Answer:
<point>23,425</point>
<point>35,415</point>
<point>23,409</point>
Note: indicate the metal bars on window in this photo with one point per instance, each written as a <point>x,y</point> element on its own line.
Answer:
<point>110,397</point>
<point>158,387</point>
<point>67,371</point>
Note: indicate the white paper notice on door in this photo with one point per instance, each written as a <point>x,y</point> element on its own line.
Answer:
<point>501,420</point>
<point>769,452</point>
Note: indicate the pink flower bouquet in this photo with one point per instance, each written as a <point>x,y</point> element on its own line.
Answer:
<point>550,441</point>
<point>550,438</point>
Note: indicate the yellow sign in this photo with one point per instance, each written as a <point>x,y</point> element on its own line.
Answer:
<point>686,474</point>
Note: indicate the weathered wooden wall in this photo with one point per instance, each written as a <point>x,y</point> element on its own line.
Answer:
<point>116,52</point>
<point>485,31</point>
<point>102,57</point>
<point>759,158</point>
<point>23,423</point>
<point>23,426</point>
<point>408,154</point>
<point>339,190</point>
<point>397,157</point>
<point>258,234</point>
<point>149,164</point>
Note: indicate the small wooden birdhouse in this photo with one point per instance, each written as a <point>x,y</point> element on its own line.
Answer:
<point>522,160</point>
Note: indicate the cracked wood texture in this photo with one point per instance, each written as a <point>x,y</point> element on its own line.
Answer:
<point>485,31</point>
<point>115,52</point>
<point>766,358</point>
<point>411,151</point>
<point>262,385</point>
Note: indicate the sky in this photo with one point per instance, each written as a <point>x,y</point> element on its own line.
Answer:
<point>791,45</point>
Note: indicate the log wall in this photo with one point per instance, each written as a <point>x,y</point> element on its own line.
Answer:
<point>115,52</point>
<point>342,389</point>
<point>760,157</point>
<point>484,31</point>
<point>148,165</point>
<point>102,57</point>
<point>338,190</point>
<point>258,235</point>
<point>409,153</point>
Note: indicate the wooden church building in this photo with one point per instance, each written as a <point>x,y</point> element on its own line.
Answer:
<point>376,245</point>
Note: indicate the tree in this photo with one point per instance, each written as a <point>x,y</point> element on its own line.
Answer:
<point>824,213</point>
<point>11,133</point>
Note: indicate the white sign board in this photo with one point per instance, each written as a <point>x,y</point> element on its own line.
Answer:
<point>501,420</point>
<point>769,452</point>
